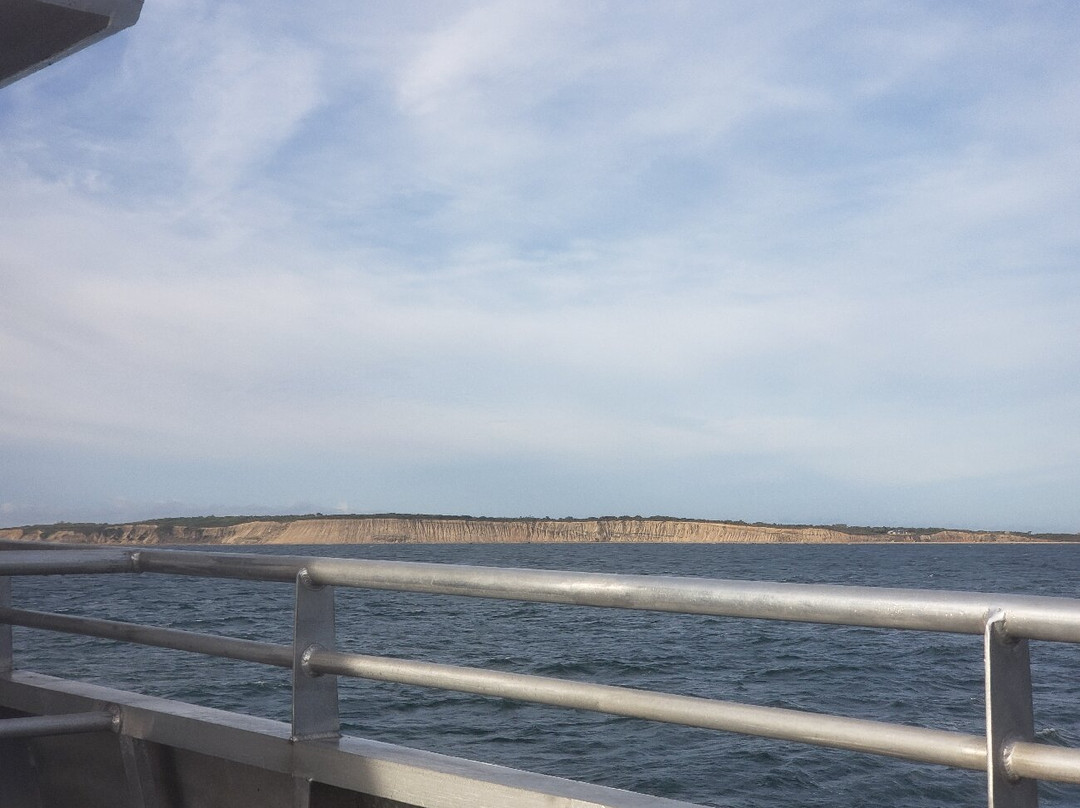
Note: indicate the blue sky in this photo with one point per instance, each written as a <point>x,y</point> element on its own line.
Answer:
<point>775,262</point>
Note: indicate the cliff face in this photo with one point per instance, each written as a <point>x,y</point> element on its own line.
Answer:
<point>435,530</point>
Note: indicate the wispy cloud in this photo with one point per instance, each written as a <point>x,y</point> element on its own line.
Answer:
<point>827,250</point>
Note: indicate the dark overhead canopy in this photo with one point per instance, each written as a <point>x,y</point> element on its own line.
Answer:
<point>36,33</point>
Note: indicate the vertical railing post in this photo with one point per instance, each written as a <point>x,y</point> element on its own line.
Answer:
<point>7,662</point>
<point>315,704</point>
<point>1009,714</point>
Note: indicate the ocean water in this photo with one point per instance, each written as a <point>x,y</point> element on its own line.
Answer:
<point>919,678</point>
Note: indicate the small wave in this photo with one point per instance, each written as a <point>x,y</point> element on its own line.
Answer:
<point>566,669</point>
<point>1052,736</point>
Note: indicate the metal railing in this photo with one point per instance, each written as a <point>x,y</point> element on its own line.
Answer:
<point>1008,752</point>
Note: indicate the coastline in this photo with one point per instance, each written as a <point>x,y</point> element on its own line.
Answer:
<point>422,529</point>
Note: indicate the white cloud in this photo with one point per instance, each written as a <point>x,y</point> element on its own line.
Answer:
<point>501,231</point>
<point>248,100</point>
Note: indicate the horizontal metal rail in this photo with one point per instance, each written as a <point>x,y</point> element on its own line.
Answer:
<point>1042,762</point>
<point>70,723</point>
<point>68,562</point>
<point>1030,617</point>
<point>918,744</point>
<point>947,748</point>
<point>839,732</point>
<point>210,644</point>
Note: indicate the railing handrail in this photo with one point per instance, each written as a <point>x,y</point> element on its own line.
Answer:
<point>1008,752</point>
<point>1034,617</point>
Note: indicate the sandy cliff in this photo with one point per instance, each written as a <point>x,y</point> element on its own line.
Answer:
<point>444,530</point>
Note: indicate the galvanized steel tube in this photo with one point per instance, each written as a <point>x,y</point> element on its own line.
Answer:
<point>66,724</point>
<point>69,562</point>
<point>229,647</point>
<point>1041,618</point>
<point>241,566</point>
<point>1042,762</point>
<point>893,740</point>
<point>1033,617</point>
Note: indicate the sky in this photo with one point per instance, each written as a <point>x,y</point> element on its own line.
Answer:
<point>781,262</point>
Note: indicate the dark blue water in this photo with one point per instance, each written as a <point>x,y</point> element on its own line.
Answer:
<point>909,677</point>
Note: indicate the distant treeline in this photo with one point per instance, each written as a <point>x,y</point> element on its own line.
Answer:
<point>89,528</point>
